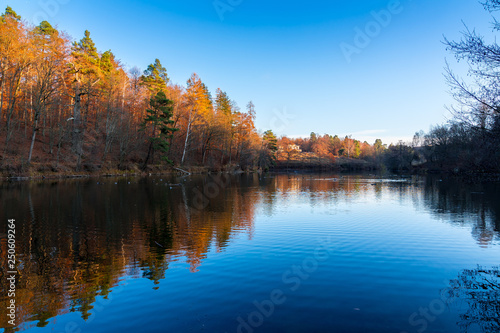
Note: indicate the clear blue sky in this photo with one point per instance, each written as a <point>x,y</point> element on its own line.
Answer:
<point>286,56</point>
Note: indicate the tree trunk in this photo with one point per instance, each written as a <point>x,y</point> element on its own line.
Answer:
<point>77,128</point>
<point>33,136</point>
<point>147,157</point>
<point>150,149</point>
<point>10,111</point>
<point>187,140</point>
<point>12,99</point>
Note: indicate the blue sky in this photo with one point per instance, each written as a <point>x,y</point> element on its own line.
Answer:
<point>287,56</point>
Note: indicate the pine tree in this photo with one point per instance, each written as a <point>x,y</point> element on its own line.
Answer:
<point>85,70</point>
<point>10,13</point>
<point>155,78</point>
<point>270,149</point>
<point>159,117</point>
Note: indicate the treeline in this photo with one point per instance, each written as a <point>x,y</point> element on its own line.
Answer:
<point>469,143</point>
<point>458,147</point>
<point>328,152</point>
<point>67,106</point>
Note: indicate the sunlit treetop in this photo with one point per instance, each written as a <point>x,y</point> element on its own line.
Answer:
<point>45,28</point>
<point>9,12</point>
<point>222,102</point>
<point>107,61</point>
<point>86,45</point>
<point>85,54</point>
<point>155,77</point>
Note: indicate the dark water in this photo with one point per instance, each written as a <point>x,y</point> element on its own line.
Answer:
<point>299,253</point>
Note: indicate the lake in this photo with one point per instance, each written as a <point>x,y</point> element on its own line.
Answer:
<point>253,253</point>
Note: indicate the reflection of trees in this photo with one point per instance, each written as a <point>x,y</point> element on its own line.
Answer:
<point>480,290</point>
<point>469,203</point>
<point>77,239</point>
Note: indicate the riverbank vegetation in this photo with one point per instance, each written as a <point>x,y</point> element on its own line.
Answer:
<point>66,107</point>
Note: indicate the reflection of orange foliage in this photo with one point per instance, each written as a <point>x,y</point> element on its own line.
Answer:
<point>77,239</point>
<point>81,244</point>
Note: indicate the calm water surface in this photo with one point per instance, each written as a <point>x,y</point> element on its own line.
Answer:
<point>282,253</point>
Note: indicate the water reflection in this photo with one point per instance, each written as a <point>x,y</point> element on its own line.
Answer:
<point>479,289</point>
<point>76,240</point>
<point>473,204</point>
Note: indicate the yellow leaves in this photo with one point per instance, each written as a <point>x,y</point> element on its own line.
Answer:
<point>198,98</point>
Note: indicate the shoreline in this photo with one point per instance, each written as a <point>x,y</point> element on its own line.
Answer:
<point>468,176</point>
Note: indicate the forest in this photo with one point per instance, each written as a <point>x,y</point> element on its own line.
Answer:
<point>67,107</point>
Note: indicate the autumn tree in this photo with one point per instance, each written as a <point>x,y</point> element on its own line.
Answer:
<point>48,70</point>
<point>224,111</point>
<point>16,56</point>
<point>336,145</point>
<point>287,149</point>
<point>92,109</point>
<point>112,88</point>
<point>245,136</point>
<point>198,103</point>
<point>348,146</point>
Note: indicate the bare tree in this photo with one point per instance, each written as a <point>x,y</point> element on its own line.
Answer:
<point>479,99</point>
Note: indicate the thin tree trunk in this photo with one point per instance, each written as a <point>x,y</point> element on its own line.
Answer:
<point>77,127</point>
<point>33,136</point>
<point>60,137</point>
<point>187,140</point>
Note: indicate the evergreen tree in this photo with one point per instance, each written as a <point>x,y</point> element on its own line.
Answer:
<point>223,103</point>
<point>268,154</point>
<point>45,28</point>
<point>159,116</point>
<point>155,77</point>
<point>85,70</point>
<point>9,12</point>
<point>271,141</point>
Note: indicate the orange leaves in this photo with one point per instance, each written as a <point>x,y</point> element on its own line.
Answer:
<point>89,109</point>
<point>199,99</point>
